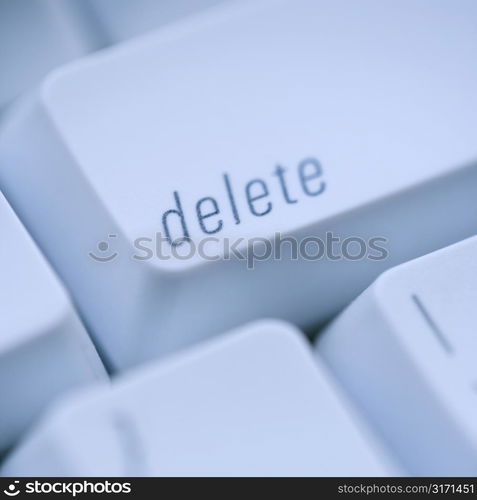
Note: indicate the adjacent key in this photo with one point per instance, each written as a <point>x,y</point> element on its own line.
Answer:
<point>44,349</point>
<point>36,36</point>
<point>123,19</point>
<point>250,403</point>
<point>148,172</point>
<point>405,350</point>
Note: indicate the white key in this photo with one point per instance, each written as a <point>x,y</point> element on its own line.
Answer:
<point>405,350</point>
<point>122,19</point>
<point>252,402</point>
<point>44,349</point>
<point>185,131</point>
<point>36,36</point>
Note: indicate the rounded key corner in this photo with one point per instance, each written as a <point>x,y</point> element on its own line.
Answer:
<point>50,82</point>
<point>69,71</point>
<point>382,284</point>
<point>276,328</point>
<point>70,407</point>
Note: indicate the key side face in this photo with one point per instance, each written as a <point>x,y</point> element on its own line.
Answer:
<point>250,403</point>
<point>373,120</point>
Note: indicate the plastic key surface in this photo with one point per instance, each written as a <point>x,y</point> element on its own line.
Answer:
<point>141,169</point>
<point>405,350</point>
<point>44,349</point>
<point>253,402</point>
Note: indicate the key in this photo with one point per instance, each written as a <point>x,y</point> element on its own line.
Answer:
<point>36,36</point>
<point>122,19</point>
<point>405,351</point>
<point>44,349</point>
<point>250,403</point>
<point>193,166</point>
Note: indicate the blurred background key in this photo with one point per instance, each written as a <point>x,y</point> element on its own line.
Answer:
<point>44,349</point>
<point>405,350</point>
<point>122,19</point>
<point>250,403</point>
<point>35,37</point>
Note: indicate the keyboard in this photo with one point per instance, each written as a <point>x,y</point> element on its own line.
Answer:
<point>239,238</point>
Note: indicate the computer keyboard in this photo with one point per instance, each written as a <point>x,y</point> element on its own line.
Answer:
<point>198,167</point>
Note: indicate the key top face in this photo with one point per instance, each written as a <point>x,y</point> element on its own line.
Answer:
<point>44,350</point>
<point>122,19</point>
<point>35,37</point>
<point>406,352</point>
<point>253,402</point>
<point>283,131</point>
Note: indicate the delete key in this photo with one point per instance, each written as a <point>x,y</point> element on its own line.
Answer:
<point>263,159</point>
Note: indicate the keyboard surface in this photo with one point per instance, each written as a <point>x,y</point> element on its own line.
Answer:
<point>172,171</point>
